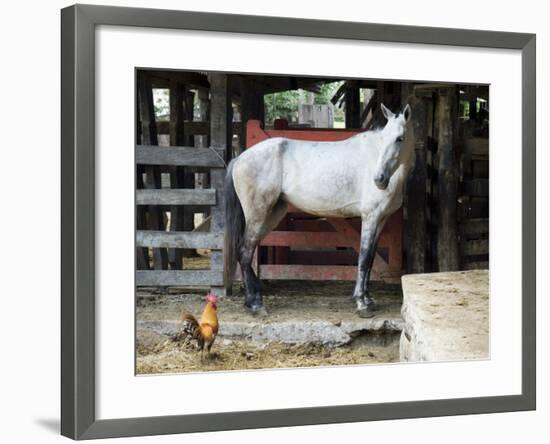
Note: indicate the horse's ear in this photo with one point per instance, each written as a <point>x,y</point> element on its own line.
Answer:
<point>387,113</point>
<point>407,113</point>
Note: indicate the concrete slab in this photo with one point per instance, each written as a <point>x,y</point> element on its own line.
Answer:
<point>299,313</point>
<point>446,316</point>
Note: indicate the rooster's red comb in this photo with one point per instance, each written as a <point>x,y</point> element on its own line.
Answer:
<point>211,297</point>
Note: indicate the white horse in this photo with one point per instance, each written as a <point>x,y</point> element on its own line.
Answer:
<point>362,176</point>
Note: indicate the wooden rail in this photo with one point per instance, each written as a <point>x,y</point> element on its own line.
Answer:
<point>164,239</point>
<point>179,278</point>
<point>476,227</point>
<point>477,187</point>
<point>193,128</point>
<point>179,156</point>
<point>176,197</point>
<point>476,247</point>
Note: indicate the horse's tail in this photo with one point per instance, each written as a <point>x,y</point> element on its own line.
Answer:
<point>234,227</point>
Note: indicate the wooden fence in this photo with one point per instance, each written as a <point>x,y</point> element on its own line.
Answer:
<point>160,244</point>
<point>155,239</point>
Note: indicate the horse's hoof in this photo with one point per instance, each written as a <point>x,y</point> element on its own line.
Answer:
<point>365,313</point>
<point>258,310</point>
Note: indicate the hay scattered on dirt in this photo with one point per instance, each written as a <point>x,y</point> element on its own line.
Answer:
<point>158,354</point>
<point>285,301</point>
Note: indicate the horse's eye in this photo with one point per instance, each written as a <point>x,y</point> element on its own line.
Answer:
<point>399,139</point>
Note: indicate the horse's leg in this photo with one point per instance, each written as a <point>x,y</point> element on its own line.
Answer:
<point>274,217</point>
<point>371,228</point>
<point>251,282</point>
<point>255,231</point>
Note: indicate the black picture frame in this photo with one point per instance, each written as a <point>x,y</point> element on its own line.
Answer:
<point>78,420</point>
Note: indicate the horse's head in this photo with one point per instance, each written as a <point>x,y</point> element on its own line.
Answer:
<point>391,153</point>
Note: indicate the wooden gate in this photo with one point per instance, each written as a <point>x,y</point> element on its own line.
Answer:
<point>212,240</point>
<point>167,194</point>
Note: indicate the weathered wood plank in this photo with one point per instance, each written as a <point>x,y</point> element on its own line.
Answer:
<point>163,239</point>
<point>416,238</point>
<point>176,123</point>
<point>476,265</point>
<point>252,106</point>
<point>476,247</point>
<point>176,197</point>
<point>447,235</point>
<point>480,168</point>
<point>178,277</point>
<point>478,207</point>
<point>178,156</point>
<point>149,136</point>
<point>475,227</point>
<point>477,187</point>
<point>477,146</point>
<point>368,108</point>
<point>221,134</point>
<point>161,79</point>
<point>142,254</point>
<point>194,128</point>
<point>186,178</point>
<point>353,105</point>
<point>177,138</point>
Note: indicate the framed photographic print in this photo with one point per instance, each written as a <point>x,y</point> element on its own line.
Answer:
<point>292,221</point>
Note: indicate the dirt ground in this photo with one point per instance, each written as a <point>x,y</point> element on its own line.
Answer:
<point>294,300</point>
<point>330,301</point>
<point>158,354</point>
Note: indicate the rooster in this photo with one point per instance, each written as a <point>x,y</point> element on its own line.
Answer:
<point>205,331</point>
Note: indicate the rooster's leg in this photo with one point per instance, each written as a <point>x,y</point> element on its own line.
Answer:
<point>209,346</point>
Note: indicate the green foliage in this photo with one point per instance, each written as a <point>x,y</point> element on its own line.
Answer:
<point>327,92</point>
<point>284,105</point>
<point>161,101</point>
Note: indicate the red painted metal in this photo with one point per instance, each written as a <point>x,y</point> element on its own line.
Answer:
<point>309,272</point>
<point>308,239</point>
<point>303,232</point>
<point>255,133</point>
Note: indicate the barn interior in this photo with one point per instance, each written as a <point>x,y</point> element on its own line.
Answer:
<point>190,124</point>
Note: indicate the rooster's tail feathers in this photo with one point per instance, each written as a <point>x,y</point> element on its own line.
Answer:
<point>190,325</point>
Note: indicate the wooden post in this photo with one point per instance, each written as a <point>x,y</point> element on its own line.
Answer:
<point>221,129</point>
<point>370,106</point>
<point>353,105</point>
<point>203,141</point>
<point>415,231</point>
<point>252,105</point>
<point>177,91</point>
<point>142,253</point>
<point>185,174</point>
<point>152,173</point>
<point>388,93</point>
<point>447,238</point>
